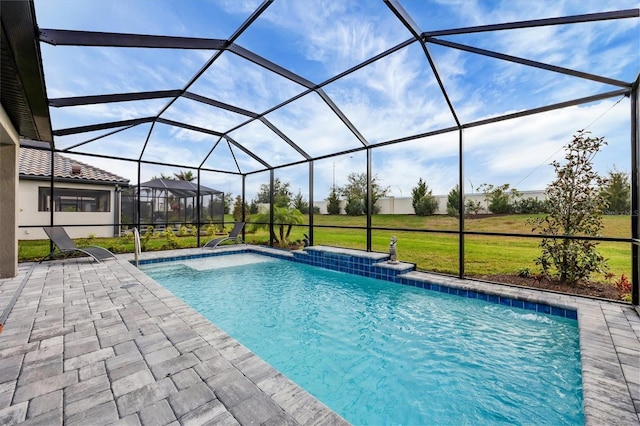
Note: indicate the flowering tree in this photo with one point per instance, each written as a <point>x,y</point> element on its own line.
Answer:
<point>576,205</point>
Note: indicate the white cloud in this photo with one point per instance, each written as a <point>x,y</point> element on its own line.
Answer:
<point>394,97</point>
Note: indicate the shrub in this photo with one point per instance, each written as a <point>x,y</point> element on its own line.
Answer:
<point>472,207</point>
<point>300,203</point>
<point>575,207</point>
<point>333,202</point>
<point>354,207</point>
<point>617,192</point>
<point>355,191</point>
<point>423,201</point>
<point>172,240</point>
<point>144,240</point>
<point>530,205</point>
<point>524,273</point>
<point>238,207</point>
<point>453,201</point>
<point>499,198</point>
<point>426,206</point>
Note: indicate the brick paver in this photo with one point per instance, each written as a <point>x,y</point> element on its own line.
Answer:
<point>102,343</point>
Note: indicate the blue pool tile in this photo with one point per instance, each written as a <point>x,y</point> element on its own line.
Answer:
<point>506,301</point>
<point>366,267</point>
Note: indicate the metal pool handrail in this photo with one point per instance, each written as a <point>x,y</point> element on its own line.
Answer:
<point>136,243</point>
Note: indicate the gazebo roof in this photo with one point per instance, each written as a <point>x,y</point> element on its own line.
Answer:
<point>180,188</point>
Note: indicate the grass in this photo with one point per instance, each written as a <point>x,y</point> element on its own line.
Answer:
<point>484,255</point>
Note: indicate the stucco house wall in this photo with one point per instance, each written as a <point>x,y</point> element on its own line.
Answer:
<point>31,221</point>
<point>35,173</point>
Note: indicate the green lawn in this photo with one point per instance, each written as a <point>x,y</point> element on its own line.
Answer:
<point>484,255</point>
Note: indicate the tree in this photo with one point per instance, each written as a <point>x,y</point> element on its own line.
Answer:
<point>281,193</point>
<point>237,210</point>
<point>453,201</point>
<point>355,191</point>
<point>575,208</point>
<point>423,201</point>
<point>284,218</point>
<point>418,192</point>
<point>499,198</point>
<point>617,192</point>
<point>185,175</point>
<point>300,203</point>
<point>333,202</point>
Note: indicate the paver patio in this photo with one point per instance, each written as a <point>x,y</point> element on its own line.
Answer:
<point>102,343</point>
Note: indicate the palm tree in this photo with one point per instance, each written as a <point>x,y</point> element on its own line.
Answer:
<point>283,217</point>
<point>185,175</point>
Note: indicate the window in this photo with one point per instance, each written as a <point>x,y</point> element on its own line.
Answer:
<point>74,200</point>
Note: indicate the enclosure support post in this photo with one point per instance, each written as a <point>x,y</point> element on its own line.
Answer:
<point>242,215</point>
<point>635,195</point>
<point>461,209</point>
<point>138,201</point>
<point>369,199</point>
<point>311,178</point>
<point>51,191</point>
<point>271,206</point>
<point>198,207</point>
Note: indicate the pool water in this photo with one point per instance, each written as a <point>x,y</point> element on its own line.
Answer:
<point>383,353</point>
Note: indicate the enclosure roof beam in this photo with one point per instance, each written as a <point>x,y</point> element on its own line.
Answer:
<point>245,112</point>
<point>284,137</point>
<point>242,28</point>
<point>103,39</point>
<point>528,62</point>
<point>188,126</point>
<point>101,126</point>
<point>246,151</point>
<point>218,104</point>
<point>404,18</point>
<point>591,17</point>
<point>413,28</point>
<point>560,105</point>
<point>277,69</point>
<point>342,117</point>
<point>119,97</point>
<point>133,160</point>
<point>121,129</point>
<point>271,66</point>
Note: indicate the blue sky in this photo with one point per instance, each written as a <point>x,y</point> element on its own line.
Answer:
<point>395,97</point>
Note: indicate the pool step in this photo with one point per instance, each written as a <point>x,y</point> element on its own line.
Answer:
<point>368,264</point>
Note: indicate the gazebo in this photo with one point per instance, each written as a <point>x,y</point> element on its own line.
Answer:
<point>171,202</point>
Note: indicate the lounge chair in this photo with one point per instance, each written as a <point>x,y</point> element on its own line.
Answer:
<point>234,236</point>
<point>65,244</point>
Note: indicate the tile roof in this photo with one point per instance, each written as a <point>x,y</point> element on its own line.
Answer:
<point>37,163</point>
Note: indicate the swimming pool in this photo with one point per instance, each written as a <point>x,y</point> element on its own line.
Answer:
<point>376,352</point>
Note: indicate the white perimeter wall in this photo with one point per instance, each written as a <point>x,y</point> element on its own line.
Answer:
<point>28,213</point>
<point>402,205</point>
